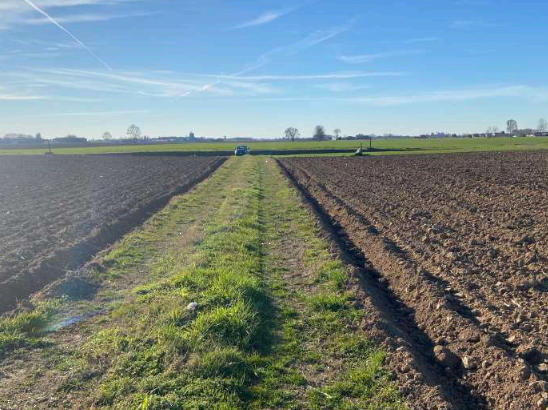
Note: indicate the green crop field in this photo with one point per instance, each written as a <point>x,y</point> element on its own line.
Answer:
<point>383,147</point>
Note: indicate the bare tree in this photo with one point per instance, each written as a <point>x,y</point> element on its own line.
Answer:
<point>337,132</point>
<point>319,133</point>
<point>542,125</point>
<point>492,131</point>
<point>134,132</point>
<point>511,126</point>
<point>107,136</point>
<point>291,133</point>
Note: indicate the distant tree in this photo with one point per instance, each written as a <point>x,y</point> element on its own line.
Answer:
<point>38,137</point>
<point>134,132</point>
<point>291,133</point>
<point>319,133</point>
<point>542,125</point>
<point>337,132</point>
<point>511,126</point>
<point>107,136</point>
<point>191,136</point>
<point>492,130</point>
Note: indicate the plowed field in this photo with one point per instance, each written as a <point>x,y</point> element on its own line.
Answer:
<point>56,212</point>
<point>455,252</point>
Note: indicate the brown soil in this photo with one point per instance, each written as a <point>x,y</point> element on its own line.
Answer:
<point>452,254</point>
<point>38,378</point>
<point>56,212</point>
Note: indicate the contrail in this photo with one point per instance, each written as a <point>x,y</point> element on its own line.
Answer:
<point>89,50</point>
<point>310,41</point>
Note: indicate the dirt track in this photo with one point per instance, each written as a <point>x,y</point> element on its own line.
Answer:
<point>56,212</point>
<point>455,249</point>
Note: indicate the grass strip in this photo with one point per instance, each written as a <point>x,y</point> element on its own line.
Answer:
<point>274,323</point>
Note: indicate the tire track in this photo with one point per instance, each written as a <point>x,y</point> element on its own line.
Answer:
<point>440,317</point>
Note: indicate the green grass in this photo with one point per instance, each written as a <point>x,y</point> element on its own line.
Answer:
<point>317,363</point>
<point>25,329</point>
<point>400,146</point>
<point>272,328</point>
<point>161,353</point>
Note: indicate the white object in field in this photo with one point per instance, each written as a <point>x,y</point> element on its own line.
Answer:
<point>192,306</point>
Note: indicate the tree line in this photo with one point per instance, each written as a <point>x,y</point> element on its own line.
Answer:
<point>319,134</point>
<point>512,128</point>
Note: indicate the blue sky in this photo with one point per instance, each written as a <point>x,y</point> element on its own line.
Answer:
<point>254,68</point>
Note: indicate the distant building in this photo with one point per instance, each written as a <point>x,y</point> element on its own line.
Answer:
<point>170,139</point>
<point>18,139</point>
<point>526,132</point>
<point>70,139</point>
<point>541,134</point>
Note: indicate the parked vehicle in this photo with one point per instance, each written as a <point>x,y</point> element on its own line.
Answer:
<point>241,150</point>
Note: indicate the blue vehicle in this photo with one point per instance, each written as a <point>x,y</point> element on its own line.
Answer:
<point>241,150</point>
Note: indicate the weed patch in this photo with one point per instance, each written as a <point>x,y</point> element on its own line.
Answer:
<point>25,329</point>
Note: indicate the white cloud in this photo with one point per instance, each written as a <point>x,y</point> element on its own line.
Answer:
<point>472,3</point>
<point>32,42</point>
<point>421,40</point>
<point>367,58</point>
<point>150,84</point>
<point>14,97</point>
<point>442,96</point>
<point>342,87</point>
<point>13,13</point>
<point>264,18</point>
<point>60,26</point>
<point>311,40</point>
<point>271,15</point>
<point>170,84</point>
<point>17,5</point>
<point>92,113</point>
<point>86,18</point>
<point>455,95</point>
<point>472,24</point>
<point>40,54</point>
<point>311,77</point>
